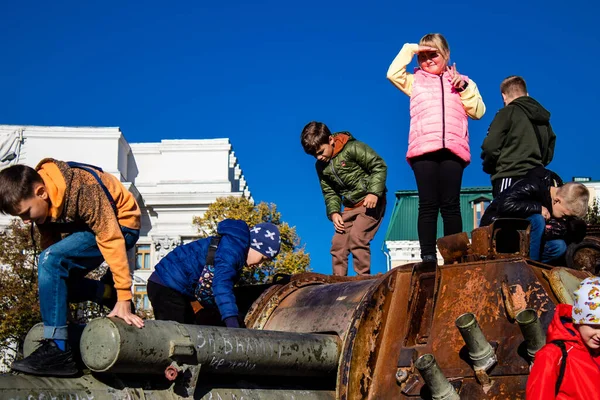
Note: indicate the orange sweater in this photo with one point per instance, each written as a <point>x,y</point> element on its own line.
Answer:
<point>77,198</point>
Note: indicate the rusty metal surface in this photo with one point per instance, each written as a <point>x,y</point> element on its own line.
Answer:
<point>454,247</point>
<point>261,311</point>
<point>362,344</point>
<point>478,286</point>
<point>585,255</point>
<point>510,238</point>
<point>481,240</point>
<point>504,238</point>
<point>418,312</point>
<point>312,306</point>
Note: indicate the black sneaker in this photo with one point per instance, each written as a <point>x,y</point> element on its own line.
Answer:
<point>428,264</point>
<point>47,360</point>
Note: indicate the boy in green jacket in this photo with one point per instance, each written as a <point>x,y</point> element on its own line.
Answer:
<point>353,174</point>
<point>520,138</point>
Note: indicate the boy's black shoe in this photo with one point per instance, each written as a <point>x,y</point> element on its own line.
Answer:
<point>47,360</point>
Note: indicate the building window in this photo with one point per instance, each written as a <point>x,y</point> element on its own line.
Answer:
<point>142,257</point>
<point>478,210</point>
<point>141,297</point>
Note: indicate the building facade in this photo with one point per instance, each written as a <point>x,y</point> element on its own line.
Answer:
<point>172,180</point>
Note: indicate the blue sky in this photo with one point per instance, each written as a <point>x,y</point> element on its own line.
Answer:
<point>257,73</point>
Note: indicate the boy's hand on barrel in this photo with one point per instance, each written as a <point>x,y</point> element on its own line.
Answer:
<point>123,310</point>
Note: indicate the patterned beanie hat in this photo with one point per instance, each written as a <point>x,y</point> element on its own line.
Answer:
<point>586,309</point>
<point>265,239</point>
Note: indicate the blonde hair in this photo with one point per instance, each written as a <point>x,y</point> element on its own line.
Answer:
<point>576,197</point>
<point>438,41</point>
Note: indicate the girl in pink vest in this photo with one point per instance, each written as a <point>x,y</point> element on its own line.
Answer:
<point>438,142</point>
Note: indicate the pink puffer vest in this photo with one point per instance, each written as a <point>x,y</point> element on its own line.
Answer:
<point>437,117</point>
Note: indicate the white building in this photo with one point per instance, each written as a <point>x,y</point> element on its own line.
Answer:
<point>173,181</point>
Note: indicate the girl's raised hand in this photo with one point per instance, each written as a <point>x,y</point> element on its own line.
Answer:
<point>426,48</point>
<point>455,78</point>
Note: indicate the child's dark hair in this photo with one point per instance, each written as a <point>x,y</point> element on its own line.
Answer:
<point>513,86</point>
<point>16,184</point>
<point>314,135</point>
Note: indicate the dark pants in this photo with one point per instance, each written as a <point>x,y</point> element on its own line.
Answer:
<point>169,304</point>
<point>439,177</point>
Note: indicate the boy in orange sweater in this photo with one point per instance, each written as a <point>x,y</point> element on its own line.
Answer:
<point>84,216</point>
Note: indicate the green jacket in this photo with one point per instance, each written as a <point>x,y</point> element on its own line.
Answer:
<point>511,147</point>
<point>357,170</point>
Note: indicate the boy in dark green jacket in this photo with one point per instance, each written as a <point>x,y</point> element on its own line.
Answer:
<point>353,175</point>
<point>519,139</point>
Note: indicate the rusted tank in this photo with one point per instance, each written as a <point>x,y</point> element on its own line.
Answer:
<point>468,329</point>
<point>585,255</point>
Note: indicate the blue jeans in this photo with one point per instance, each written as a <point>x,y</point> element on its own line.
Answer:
<point>553,249</point>
<point>61,268</point>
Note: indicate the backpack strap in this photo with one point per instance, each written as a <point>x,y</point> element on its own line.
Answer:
<point>563,363</point>
<point>210,260</point>
<point>91,169</point>
<point>212,250</point>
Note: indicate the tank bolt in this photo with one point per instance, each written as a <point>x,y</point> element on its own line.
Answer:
<point>401,375</point>
<point>171,373</point>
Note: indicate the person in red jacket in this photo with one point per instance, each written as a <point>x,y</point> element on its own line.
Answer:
<point>568,366</point>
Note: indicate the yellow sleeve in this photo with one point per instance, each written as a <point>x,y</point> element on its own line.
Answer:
<point>397,71</point>
<point>472,101</point>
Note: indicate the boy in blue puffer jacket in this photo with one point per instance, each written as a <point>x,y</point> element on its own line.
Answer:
<point>184,276</point>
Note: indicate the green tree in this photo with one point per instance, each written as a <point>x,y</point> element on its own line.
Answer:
<point>593,215</point>
<point>19,305</point>
<point>292,258</point>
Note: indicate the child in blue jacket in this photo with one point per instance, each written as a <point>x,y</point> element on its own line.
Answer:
<point>183,276</point>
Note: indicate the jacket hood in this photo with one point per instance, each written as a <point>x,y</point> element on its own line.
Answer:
<point>234,227</point>
<point>55,184</point>
<point>534,110</point>
<point>562,328</point>
<point>339,141</point>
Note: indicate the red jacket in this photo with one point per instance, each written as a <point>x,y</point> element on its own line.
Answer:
<point>582,372</point>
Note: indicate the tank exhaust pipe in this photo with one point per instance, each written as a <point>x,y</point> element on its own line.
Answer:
<point>438,385</point>
<point>532,330</point>
<point>481,351</point>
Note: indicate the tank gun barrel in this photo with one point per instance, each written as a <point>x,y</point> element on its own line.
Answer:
<point>110,345</point>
